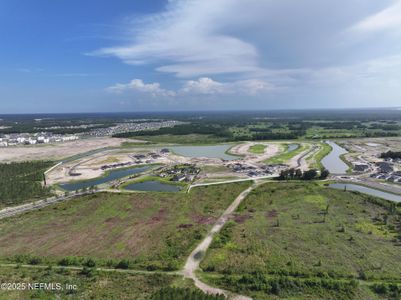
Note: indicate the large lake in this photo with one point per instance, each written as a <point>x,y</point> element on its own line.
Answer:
<point>110,176</point>
<point>218,151</point>
<point>333,162</point>
<point>366,190</point>
<point>152,186</point>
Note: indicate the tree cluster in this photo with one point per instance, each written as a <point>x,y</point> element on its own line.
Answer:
<point>297,174</point>
<point>22,180</point>
<point>391,154</point>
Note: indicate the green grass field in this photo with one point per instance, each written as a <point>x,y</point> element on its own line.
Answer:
<point>325,149</point>
<point>257,149</point>
<point>285,155</point>
<point>306,241</point>
<point>154,231</point>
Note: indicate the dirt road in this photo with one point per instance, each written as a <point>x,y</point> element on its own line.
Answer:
<point>193,261</point>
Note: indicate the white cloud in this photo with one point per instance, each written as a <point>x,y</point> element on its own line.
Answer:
<point>188,40</point>
<point>254,47</point>
<point>205,85</point>
<point>387,19</point>
<point>153,89</point>
<point>201,86</point>
<point>254,86</point>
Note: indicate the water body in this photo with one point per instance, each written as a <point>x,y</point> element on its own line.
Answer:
<point>111,175</point>
<point>366,190</point>
<point>373,144</point>
<point>292,147</point>
<point>333,162</point>
<point>218,151</point>
<point>152,186</point>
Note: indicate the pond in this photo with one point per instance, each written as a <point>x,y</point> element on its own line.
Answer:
<point>333,162</point>
<point>152,186</point>
<point>366,190</point>
<point>110,176</point>
<point>217,151</point>
<point>292,147</point>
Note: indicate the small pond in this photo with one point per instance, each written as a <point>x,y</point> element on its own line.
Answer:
<point>216,151</point>
<point>110,176</point>
<point>333,162</point>
<point>292,147</point>
<point>152,186</point>
<point>366,190</point>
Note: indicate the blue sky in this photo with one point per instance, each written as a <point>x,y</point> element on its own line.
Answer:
<point>92,56</point>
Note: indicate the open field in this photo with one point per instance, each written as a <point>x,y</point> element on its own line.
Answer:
<point>257,149</point>
<point>151,230</point>
<point>91,284</point>
<point>285,155</point>
<point>307,241</point>
<point>56,151</point>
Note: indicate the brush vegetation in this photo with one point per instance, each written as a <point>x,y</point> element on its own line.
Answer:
<point>306,240</point>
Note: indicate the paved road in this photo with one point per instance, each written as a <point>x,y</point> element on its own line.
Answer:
<point>193,261</point>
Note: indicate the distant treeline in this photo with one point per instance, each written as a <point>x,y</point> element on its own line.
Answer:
<point>184,129</point>
<point>271,129</point>
<point>391,154</point>
<point>21,181</point>
<point>218,130</point>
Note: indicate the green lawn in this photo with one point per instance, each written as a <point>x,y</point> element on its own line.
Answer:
<point>307,241</point>
<point>151,230</point>
<point>285,155</point>
<point>257,149</point>
<point>325,149</point>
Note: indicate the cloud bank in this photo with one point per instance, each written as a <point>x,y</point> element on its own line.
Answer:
<point>260,47</point>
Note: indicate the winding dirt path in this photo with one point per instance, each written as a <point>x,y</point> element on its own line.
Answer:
<point>194,259</point>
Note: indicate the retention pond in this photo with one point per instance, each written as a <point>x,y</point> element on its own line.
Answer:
<point>333,161</point>
<point>366,190</point>
<point>216,151</point>
<point>110,176</point>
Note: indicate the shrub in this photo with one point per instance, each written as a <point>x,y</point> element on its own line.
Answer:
<point>123,264</point>
<point>90,263</point>
<point>69,261</point>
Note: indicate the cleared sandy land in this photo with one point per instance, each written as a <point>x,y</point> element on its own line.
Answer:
<point>56,151</point>
<point>243,149</point>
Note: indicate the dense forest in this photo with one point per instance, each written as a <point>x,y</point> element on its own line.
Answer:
<point>22,181</point>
